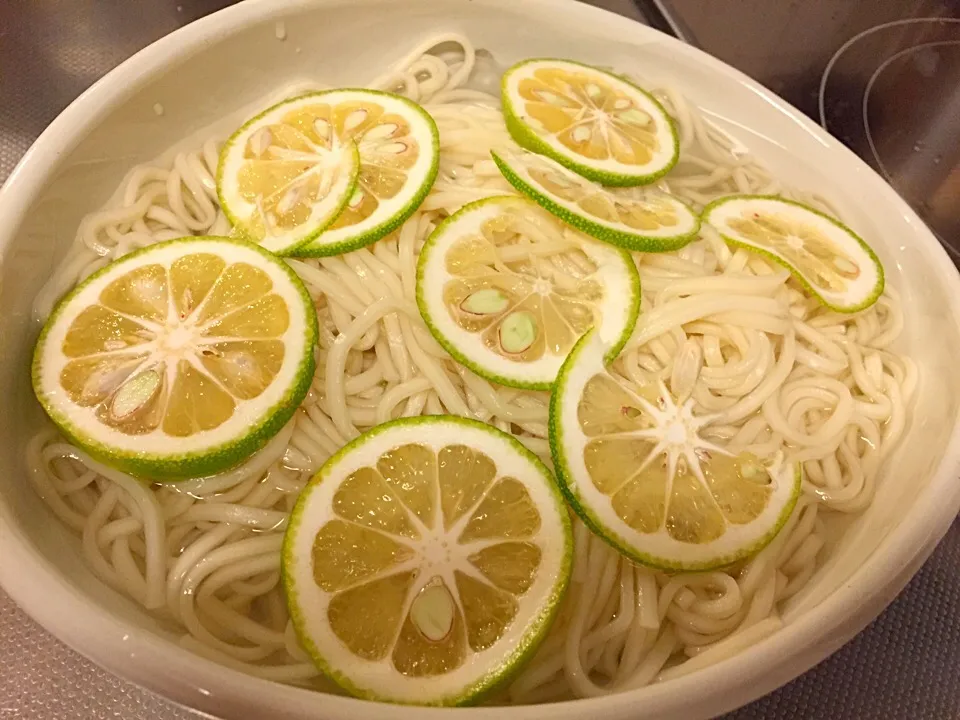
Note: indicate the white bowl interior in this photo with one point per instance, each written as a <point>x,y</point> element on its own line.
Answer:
<point>241,62</point>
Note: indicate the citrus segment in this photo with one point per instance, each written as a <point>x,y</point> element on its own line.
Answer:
<point>365,499</point>
<point>411,473</point>
<point>639,474</point>
<point>591,121</point>
<point>487,610</point>
<point>508,290</point>
<point>365,618</point>
<point>452,609</point>
<point>635,218</point>
<point>477,472</point>
<point>511,566</point>
<point>338,567</point>
<point>180,359</point>
<point>507,512</point>
<point>827,257</point>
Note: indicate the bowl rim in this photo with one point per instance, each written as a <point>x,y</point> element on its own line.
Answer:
<point>211,687</point>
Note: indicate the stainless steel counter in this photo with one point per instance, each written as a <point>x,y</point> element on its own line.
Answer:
<point>905,665</point>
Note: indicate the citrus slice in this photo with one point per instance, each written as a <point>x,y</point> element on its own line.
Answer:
<point>826,256</point>
<point>399,150</point>
<point>180,359</point>
<point>281,188</point>
<point>507,289</point>
<point>426,560</point>
<point>634,467</point>
<point>591,121</point>
<point>635,218</point>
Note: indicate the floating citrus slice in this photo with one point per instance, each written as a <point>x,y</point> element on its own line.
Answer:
<point>279,188</point>
<point>635,218</point>
<point>178,360</point>
<point>399,149</point>
<point>507,290</point>
<point>426,560</point>
<point>634,467</point>
<point>593,122</point>
<point>825,255</point>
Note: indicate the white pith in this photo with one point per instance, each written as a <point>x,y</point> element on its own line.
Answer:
<point>179,339</point>
<point>436,553</point>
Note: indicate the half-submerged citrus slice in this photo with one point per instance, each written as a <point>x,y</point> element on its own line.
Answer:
<point>425,560</point>
<point>633,466</point>
<point>180,359</point>
<point>636,218</point>
<point>593,122</point>
<point>826,256</point>
<point>507,289</point>
<point>279,185</point>
<point>399,148</point>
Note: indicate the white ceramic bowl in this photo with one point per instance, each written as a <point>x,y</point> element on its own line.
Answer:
<point>233,59</point>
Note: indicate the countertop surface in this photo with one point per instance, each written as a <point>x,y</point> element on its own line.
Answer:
<point>905,665</point>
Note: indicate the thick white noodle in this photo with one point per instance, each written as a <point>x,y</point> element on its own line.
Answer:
<point>788,378</point>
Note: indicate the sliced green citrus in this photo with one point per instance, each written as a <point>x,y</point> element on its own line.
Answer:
<point>279,186</point>
<point>591,121</point>
<point>636,218</point>
<point>507,289</point>
<point>399,148</point>
<point>831,261</point>
<point>426,560</point>
<point>180,359</point>
<point>632,464</point>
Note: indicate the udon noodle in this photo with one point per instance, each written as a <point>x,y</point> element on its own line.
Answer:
<point>786,376</point>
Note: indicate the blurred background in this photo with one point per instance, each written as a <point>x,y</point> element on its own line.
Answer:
<point>881,75</point>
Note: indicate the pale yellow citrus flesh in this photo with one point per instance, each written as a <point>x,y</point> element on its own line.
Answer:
<point>802,245</point>
<point>176,348</point>
<point>380,511</point>
<point>589,116</point>
<point>524,297</point>
<point>626,467</point>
